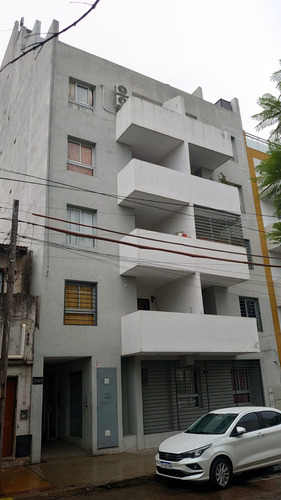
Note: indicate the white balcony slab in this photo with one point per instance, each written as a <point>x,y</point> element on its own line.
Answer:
<point>154,131</point>
<point>218,263</point>
<point>157,332</point>
<point>155,191</point>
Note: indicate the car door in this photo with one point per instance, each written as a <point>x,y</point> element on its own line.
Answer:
<point>249,447</point>
<point>270,423</point>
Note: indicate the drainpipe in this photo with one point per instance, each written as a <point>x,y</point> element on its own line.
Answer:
<point>22,344</point>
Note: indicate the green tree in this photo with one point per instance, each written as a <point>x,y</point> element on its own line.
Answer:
<point>269,182</point>
<point>271,106</point>
<point>269,170</point>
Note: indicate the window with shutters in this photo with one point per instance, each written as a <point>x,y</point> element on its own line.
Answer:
<point>249,308</point>
<point>81,96</point>
<point>81,221</point>
<point>80,157</point>
<point>217,225</point>
<point>80,303</point>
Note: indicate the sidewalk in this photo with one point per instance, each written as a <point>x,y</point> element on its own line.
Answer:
<point>78,475</point>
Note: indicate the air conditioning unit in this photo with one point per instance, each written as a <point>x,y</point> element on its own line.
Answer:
<point>120,100</point>
<point>121,90</point>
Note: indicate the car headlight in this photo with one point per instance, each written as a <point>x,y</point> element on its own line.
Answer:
<point>196,453</point>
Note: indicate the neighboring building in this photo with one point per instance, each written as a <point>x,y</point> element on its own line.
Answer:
<point>152,310</point>
<point>257,151</point>
<point>17,435</point>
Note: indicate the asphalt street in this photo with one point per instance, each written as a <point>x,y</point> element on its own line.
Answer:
<point>258,485</point>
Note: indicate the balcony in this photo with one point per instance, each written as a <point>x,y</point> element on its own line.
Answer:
<point>154,131</point>
<point>154,332</point>
<point>160,267</point>
<point>155,191</point>
<point>151,130</point>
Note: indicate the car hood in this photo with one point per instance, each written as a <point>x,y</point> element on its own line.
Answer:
<point>184,442</point>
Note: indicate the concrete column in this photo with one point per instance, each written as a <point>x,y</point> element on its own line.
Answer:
<point>36,410</point>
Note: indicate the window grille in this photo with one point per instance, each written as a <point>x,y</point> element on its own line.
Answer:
<point>250,308</point>
<point>187,387</point>
<point>249,254</point>
<point>240,386</point>
<point>80,303</point>
<point>216,225</point>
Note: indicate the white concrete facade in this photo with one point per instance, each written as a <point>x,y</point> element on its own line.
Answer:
<point>159,164</point>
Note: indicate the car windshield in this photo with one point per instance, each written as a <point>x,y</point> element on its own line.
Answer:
<point>212,423</point>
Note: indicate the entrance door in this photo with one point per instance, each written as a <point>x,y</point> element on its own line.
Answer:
<point>9,417</point>
<point>107,408</point>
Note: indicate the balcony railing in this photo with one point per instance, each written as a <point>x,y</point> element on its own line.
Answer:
<point>217,225</point>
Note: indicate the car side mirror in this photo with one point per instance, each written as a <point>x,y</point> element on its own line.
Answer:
<point>240,430</point>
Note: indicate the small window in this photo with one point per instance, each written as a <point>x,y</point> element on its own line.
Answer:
<point>249,254</point>
<point>250,422</point>
<point>250,308</point>
<point>143,304</point>
<point>80,157</point>
<point>81,96</point>
<point>80,307</point>
<point>81,221</point>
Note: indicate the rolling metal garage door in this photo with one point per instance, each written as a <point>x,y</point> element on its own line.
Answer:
<point>174,394</point>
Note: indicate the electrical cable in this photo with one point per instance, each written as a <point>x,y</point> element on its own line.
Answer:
<point>54,35</point>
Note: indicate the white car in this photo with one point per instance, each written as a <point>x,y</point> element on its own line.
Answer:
<point>222,443</point>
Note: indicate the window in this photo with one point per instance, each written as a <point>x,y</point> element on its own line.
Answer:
<point>217,225</point>
<point>81,96</point>
<point>80,157</point>
<point>80,303</point>
<point>240,386</point>
<point>187,387</point>
<point>270,418</point>
<point>250,422</point>
<point>249,254</point>
<point>143,304</point>
<point>250,308</point>
<point>78,216</point>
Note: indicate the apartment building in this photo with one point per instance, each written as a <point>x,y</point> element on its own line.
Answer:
<point>137,201</point>
<point>16,433</point>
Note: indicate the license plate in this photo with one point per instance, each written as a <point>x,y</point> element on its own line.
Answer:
<point>166,465</point>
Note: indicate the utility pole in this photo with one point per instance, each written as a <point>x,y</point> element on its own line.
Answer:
<point>8,308</point>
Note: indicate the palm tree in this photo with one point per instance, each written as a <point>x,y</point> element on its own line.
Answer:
<point>271,105</point>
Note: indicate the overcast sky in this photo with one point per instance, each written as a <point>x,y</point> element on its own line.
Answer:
<point>229,48</point>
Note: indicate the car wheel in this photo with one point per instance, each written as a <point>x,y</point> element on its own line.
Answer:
<point>220,473</point>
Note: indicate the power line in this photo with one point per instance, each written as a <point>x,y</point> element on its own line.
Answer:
<point>54,35</point>
<point>148,237</point>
